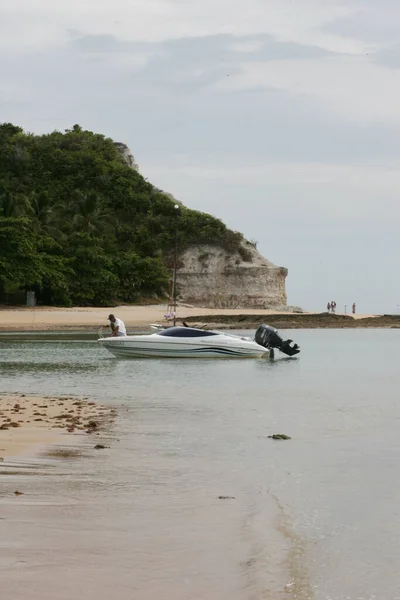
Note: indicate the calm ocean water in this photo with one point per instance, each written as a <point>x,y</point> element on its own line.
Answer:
<point>313,517</point>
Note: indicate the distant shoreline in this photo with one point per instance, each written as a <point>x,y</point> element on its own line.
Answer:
<point>298,321</point>
<point>92,319</point>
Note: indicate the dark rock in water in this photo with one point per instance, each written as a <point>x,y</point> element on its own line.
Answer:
<point>18,493</point>
<point>226,497</point>
<point>100,447</point>
<point>279,436</point>
<point>4,427</point>
<point>92,424</point>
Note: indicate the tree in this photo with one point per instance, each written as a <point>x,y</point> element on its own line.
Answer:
<point>90,214</point>
<point>45,214</point>
<point>28,260</point>
<point>80,226</point>
<point>13,205</point>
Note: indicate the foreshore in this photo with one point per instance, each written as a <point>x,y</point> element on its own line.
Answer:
<point>139,317</point>
<point>297,321</point>
<point>29,423</point>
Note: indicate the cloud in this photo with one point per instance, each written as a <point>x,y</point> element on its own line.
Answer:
<point>43,23</point>
<point>353,88</point>
<point>246,46</point>
<point>389,56</point>
<point>177,97</point>
<point>371,21</point>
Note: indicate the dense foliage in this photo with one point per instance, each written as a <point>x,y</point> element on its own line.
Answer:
<point>79,226</point>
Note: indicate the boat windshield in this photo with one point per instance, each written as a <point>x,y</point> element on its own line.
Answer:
<point>185,332</point>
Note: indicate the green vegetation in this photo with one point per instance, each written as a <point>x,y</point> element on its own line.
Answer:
<point>79,226</point>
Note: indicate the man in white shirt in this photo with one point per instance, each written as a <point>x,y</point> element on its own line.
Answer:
<point>117,326</point>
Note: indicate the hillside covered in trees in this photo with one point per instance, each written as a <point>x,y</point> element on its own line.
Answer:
<point>79,226</point>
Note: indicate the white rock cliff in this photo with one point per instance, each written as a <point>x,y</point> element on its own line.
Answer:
<point>210,276</point>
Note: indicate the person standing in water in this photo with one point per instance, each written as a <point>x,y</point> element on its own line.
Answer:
<point>117,326</point>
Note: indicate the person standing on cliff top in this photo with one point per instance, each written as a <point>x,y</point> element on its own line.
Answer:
<point>117,326</point>
<point>353,308</point>
<point>328,307</point>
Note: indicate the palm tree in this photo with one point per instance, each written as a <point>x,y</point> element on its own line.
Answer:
<point>13,205</point>
<point>90,216</point>
<point>46,215</point>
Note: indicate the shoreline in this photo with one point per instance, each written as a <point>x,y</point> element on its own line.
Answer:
<point>298,321</point>
<point>93,319</point>
<point>29,423</point>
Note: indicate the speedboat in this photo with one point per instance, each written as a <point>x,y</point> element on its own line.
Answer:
<point>190,342</point>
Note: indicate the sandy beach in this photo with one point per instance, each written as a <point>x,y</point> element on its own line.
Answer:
<point>50,318</point>
<point>47,318</point>
<point>28,423</point>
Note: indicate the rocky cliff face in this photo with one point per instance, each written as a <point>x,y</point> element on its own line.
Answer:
<point>127,155</point>
<point>210,276</point>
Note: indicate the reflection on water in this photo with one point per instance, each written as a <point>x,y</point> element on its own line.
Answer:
<point>315,516</point>
<point>17,368</point>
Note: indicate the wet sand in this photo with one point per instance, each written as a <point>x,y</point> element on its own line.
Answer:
<point>28,423</point>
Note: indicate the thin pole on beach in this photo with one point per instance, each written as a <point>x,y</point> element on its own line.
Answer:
<point>176,257</point>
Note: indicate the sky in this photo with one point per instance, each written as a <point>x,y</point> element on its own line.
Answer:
<point>281,117</point>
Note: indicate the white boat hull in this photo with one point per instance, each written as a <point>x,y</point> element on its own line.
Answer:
<point>154,346</point>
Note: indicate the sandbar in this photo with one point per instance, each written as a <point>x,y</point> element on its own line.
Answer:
<point>28,423</point>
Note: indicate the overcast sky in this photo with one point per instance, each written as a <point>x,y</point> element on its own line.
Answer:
<point>281,117</point>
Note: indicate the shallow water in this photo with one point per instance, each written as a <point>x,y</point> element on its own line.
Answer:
<point>312,517</point>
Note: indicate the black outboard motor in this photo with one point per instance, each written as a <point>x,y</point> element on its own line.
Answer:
<point>268,337</point>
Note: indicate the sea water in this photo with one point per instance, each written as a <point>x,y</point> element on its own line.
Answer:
<point>193,500</point>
